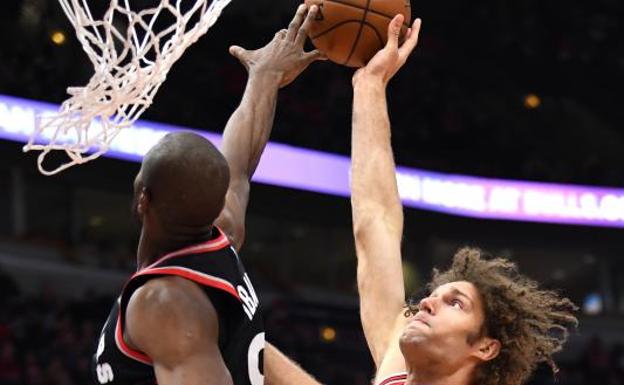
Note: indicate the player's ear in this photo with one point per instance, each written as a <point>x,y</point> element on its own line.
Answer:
<point>487,349</point>
<point>143,201</point>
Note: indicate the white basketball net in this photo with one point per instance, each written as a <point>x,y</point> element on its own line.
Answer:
<point>132,53</point>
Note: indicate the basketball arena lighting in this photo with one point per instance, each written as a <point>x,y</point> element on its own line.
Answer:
<point>58,37</point>
<point>298,168</point>
<point>532,101</point>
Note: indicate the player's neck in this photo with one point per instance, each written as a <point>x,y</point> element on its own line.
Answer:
<point>428,377</point>
<point>151,247</point>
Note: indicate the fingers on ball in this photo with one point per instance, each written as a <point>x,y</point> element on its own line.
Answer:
<point>295,23</point>
<point>305,27</point>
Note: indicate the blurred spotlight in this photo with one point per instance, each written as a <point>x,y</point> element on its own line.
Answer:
<point>592,305</point>
<point>532,101</point>
<point>57,37</point>
<point>328,334</point>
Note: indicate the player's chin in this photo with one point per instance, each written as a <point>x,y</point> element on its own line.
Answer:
<point>414,333</point>
<point>413,344</point>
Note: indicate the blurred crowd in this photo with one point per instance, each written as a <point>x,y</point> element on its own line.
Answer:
<point>459,105</point>
<point>45,340</point>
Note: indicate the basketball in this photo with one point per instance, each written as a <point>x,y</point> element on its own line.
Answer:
<point>350,32</point>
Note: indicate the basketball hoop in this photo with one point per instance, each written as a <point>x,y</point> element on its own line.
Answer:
<point>131,52</point>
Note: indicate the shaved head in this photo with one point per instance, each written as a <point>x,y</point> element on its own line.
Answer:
<point>186,179</point>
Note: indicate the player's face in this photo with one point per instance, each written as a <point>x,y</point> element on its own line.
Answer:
<point>439,335</point>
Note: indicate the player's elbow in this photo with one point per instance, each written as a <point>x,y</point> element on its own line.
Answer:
<point>361,229</point>
<point>364,217</point>
<point>375,224</point>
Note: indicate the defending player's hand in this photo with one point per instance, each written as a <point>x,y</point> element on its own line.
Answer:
<point>284,56</point>
<point>385,64</point>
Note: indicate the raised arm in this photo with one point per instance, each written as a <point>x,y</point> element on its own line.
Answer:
<point>376,206</point>
<point>248,129</point>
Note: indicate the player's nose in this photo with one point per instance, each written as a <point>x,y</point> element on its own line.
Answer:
<point>427,304</point>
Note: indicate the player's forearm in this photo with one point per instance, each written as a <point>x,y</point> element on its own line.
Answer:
<point>375,195</point>
<point>249,128</point>
<point>280,370</point>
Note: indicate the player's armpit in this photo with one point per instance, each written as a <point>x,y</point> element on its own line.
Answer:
<point>173,322</point>
<point>232,218</point>
<point>393,361</point>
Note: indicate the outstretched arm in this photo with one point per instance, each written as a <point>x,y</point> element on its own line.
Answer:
<point>248,130</point>
<point>376,206</point>
<point>281,370</point>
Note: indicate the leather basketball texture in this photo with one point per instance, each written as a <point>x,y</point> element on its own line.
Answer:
<point>350,32</point>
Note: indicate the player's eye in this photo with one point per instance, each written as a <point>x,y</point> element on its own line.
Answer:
<point>457,304</point>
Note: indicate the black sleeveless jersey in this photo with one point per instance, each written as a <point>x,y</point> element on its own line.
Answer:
<point>215,266</point>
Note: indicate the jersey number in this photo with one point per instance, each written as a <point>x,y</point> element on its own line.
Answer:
<point>253,360</point>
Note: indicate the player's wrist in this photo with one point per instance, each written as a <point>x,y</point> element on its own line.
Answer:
<point>265,78</point>
<point>365,81</point>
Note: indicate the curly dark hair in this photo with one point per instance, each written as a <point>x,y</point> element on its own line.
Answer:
<point>531,324</point>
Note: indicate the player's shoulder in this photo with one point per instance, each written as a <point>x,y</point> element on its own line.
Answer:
<point>164,295</point>
<point>168,303</point>
<point>164,307</point>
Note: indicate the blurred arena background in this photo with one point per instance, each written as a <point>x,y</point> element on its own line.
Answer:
<point>525,90</point>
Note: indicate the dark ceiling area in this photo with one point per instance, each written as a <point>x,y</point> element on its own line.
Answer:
<point>512,89</point>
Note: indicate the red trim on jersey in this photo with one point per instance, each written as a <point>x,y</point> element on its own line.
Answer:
<point>396,379</point>
<point>215,244</point>
<point>204,279</point>
<point>125,349</point>
<point>193,275</point>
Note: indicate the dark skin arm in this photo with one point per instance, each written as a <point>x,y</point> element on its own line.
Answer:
<point>270,68</point>
<point>172,321</point>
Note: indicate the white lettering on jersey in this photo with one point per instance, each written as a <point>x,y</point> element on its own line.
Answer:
<point>248,296</point>
<point>100,348</point>
<point>253,359</point>
<point>104,373</point>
